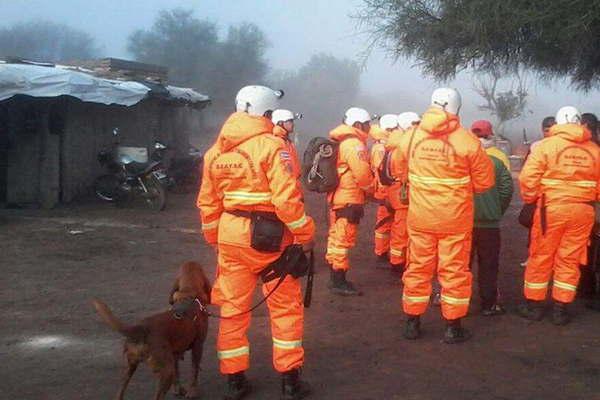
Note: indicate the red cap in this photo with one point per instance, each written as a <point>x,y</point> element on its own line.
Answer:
<point>482,128</point>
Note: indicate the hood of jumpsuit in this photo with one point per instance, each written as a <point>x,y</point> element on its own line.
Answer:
<point>279,131</point>
<point>241,126</point>
<point>378,134</point>
<point>344,131</point>
<point>437,122</point>
<point>571,132</point>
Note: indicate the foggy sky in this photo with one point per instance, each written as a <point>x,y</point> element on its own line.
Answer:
<point>296,29</point>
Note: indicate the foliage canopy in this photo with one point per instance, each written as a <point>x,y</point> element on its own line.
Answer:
<point>555,38</point>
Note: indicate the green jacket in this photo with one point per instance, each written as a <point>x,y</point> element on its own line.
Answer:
<point>491,204</point>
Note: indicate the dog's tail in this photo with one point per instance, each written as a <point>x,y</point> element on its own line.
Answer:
<point>136,333</point>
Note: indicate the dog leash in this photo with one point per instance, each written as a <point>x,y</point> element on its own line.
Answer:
<point>307,296</point>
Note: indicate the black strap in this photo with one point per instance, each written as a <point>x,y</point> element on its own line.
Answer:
<point>543,215</point>
<point>309,280</point>
<point>383,222</point>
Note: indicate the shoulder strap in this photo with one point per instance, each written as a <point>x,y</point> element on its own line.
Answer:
<point>410,142</point>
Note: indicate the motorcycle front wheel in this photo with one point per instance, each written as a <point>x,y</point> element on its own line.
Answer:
<point>106,187</point>
<point>156,198</point>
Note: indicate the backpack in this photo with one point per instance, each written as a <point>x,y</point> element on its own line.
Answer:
<point>319,165</point>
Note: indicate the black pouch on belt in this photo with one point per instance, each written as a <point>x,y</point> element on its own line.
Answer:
<point>267,230</point>
<point>352,212</point>
<point>293,261</point>
<point>526,215</point>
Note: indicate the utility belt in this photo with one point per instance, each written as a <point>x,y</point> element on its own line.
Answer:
<point>386,203</point>
<point>266,230</point>
<point>352,212</point>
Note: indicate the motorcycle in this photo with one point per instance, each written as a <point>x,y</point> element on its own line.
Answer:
<point>184,174</point>
<point>128,180</point>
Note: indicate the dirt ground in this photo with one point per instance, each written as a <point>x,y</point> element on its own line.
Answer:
<point>54,346</point>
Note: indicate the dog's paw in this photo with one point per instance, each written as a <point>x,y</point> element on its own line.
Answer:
<point>179,391</point>
<point>192,393</point>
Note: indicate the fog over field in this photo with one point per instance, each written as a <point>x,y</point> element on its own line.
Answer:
<point>294,32</point>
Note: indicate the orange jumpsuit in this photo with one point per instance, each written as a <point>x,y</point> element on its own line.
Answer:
<point>355,179</point>
<point>384,216</point>
<point>446,165</point>
<point>563,173</point>
<point>248,169</point>
<point>398,230</point>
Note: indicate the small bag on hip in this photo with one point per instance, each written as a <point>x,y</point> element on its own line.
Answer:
<point>353,213</point>
<point>267,232</point>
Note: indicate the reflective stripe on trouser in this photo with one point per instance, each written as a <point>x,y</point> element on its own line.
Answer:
<point>560,252</point>
<point>448,254</point>
<point>399,237</point>
<point>382,234</point>
<point>233,291</point>
<point>342,237</point>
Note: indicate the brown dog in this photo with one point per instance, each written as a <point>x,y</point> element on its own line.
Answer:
<point>161,339</point>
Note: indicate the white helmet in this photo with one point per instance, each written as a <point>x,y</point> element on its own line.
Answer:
<point>282,116</point>
<point>356,114</point>
<point>568,115</point>
<point>407,119</point>
<point>388,121</point>
<point>447,99</point>
<point>257,100</point>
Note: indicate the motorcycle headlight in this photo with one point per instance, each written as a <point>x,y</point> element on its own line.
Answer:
<point>123,159</point>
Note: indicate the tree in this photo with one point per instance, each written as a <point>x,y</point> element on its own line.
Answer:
<point>186,45</point>
<point>46,41</point>
<point>505,105</point>
<point>198,58</point>
<point>554,38</point>
<point>241,61</point>
<point>322,90</point>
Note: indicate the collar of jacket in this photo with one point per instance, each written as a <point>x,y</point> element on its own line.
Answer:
<point>241,126</point>
<point>344,131</point>
<point>436,121</point>
<point>571,132</point>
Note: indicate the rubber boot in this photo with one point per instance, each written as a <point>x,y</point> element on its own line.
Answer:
<point>560,314</point>
<point>339,285</point>
<point>455,333</point>
<point>292,388</point>
<point>237,386</point>
<point>412,328</point>
<point>532,310</point>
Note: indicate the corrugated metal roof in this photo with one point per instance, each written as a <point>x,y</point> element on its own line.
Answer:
<point>42,80</point>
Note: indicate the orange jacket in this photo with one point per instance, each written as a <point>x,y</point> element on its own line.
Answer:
<point>447,165</point>
<point>290,148</point>
<point>353,167</point>
<point>249,169</point>
<point>565,167</point>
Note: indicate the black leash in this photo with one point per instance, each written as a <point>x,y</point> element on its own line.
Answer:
<point>307,295</point>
